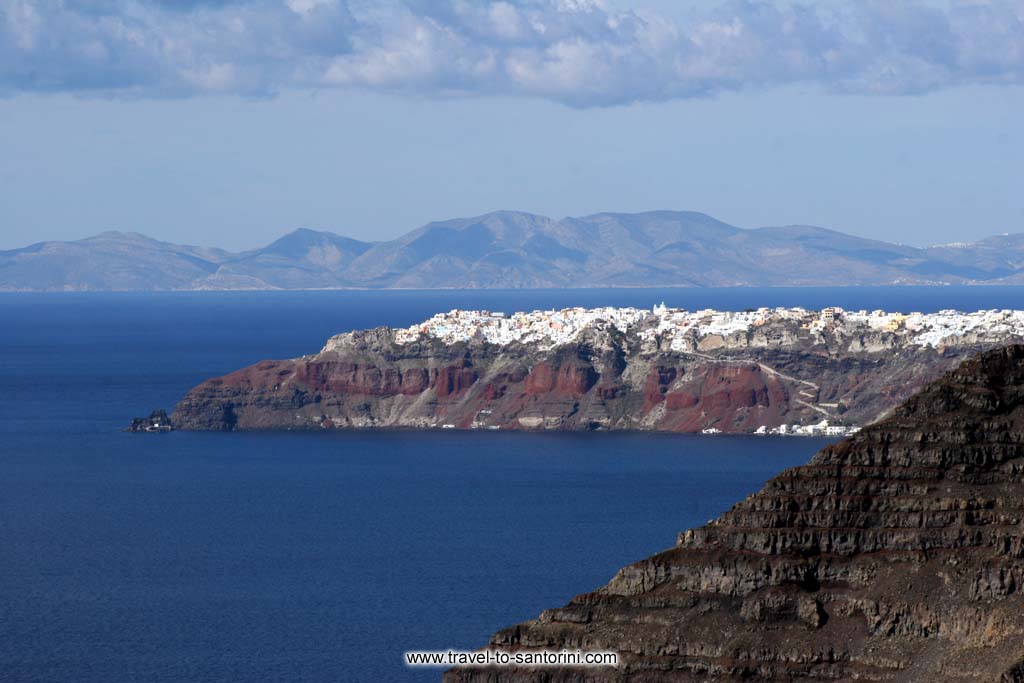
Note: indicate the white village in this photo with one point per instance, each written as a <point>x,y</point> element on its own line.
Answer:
<point>707,330</point>
<point>680,328</point>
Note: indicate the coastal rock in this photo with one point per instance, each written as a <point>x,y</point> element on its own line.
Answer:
<point>895,555</point>
<point>158,421</point>
<point>603,378</point>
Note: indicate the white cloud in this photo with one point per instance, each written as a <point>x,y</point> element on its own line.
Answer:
<point>306,6</point>
<point>580,52</point>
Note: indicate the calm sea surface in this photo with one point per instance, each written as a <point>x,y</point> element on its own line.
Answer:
<point>317,557</point>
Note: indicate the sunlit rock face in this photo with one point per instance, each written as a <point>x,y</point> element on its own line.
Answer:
<point>580,369</point>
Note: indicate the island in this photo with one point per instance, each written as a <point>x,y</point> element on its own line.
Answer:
<point>895,555</point>
<point>157,422</point>
<point>757,371</point>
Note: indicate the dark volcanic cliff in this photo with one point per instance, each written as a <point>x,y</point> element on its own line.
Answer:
<point>895,555</point>
<point>604,379</point>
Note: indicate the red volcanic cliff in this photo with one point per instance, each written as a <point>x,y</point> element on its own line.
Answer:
<point>750,395</point>
<point>569,378</point>
<point>604,380</point>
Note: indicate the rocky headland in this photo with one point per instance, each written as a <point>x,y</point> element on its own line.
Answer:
<point>895,555</point>
<point>782,370</point>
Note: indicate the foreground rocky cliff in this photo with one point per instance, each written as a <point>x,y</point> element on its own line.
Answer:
<point>895,555</point>
<point>598,369</point>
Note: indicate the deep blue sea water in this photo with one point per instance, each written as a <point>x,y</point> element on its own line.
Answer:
<point>317,557</point>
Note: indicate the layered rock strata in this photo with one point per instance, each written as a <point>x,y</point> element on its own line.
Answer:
<point>604,378</point>
<point>895,555</point>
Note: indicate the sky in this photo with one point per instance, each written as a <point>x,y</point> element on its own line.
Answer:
<point>232,122</point>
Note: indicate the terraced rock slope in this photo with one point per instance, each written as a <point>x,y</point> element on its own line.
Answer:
<point>895,555</point>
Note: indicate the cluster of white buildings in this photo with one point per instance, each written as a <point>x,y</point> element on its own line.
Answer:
<point>707,329</point>
<point>547,328</point>
<point>822,428</point>
<point>679,328</point>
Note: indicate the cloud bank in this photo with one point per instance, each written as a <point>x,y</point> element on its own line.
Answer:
<point>578,52</point>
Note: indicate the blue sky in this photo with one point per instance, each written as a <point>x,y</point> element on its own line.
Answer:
<point>231,122</point>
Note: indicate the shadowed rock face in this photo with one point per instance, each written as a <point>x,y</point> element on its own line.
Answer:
<point>895,555</point>
<point>604,380</point>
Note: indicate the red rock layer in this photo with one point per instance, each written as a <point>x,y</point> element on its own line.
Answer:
<point>602,382</point>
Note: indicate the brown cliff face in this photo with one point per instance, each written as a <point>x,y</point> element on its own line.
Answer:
<point>751,396</point>
<point>895,555</point>
<point>604,381</point>
<point>574,378</point>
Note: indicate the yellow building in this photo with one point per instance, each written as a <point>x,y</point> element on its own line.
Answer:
<point>895,322</point>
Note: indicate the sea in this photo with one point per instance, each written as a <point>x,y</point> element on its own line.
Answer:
<point>319,556</point>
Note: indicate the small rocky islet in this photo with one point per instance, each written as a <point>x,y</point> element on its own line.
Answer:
<point>157,422</point>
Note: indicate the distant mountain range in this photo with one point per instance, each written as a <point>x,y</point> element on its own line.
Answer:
<point>513,249</point>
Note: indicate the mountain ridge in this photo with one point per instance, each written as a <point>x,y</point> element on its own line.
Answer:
<point>515,249</point>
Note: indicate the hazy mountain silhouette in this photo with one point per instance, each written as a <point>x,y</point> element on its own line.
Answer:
<point>515,249</point>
